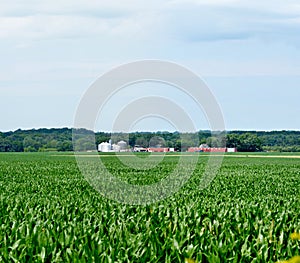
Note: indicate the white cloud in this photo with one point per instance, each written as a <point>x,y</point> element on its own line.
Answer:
<point>53,26</point>
<point>141,30</point>
<point>193,20</point>
<point>203,2</point>
<point>276,6</point>
<point>44,19</point>
<point>230,20</point>
<point>102,8</point>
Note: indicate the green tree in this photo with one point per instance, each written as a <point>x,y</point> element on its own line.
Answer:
<point>249,143</point>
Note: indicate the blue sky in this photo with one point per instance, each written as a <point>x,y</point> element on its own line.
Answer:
<point>248,53</point>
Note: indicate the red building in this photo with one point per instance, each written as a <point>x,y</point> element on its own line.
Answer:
<point>215,150</point>
<point>158,150</point>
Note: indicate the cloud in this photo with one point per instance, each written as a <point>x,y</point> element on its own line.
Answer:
<point>37,20</point>
<point>66,26</point>
<point>119,31</point>
<point>33,7</point>
<point>189,20</point>
<point>275,6</point>
<point>233,20</point>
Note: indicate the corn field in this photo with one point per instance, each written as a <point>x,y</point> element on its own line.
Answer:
<point>49,213</point>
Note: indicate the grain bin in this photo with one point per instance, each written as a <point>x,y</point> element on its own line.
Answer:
<point>122,145</point>
<point>104,147</point>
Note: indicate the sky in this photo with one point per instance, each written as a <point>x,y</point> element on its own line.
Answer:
<point>247,53</point>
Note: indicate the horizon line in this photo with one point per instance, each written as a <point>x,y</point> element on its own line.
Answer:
<point>155,131</point>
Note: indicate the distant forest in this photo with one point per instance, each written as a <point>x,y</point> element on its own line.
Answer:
<point>61,140</point>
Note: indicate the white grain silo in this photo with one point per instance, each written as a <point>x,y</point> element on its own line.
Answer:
<point>122,145</point>
<point>115,148</point>
<point>104,147</point>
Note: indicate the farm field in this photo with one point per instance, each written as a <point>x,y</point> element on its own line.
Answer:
<point>49,212</point>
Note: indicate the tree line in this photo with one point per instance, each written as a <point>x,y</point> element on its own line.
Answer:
<point>61,140</point>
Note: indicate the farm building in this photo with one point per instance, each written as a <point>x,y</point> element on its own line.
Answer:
<point>214,149</point>
<point>104,147</point>
<point>158,150</point>
<point>121,146</point>
<point>231,150</point>
<point>138,148</point>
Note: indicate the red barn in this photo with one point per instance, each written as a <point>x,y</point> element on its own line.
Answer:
<point>158,150</point>
<point>214,150</point>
